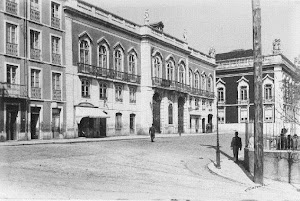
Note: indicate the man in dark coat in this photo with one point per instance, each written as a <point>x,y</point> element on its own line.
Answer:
<point>236,144</point>
<point>152,133</point>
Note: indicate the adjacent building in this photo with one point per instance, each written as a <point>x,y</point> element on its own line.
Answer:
<point>32,78</point>
<point>235,88</point>
<point>121,77</point>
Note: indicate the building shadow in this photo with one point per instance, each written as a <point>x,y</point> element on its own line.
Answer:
<point>240,163</point>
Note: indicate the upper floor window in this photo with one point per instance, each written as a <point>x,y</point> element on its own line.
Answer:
<point>221,94</point>
<point>35,46</point>
<point>196,79</point>
<point>85,88</point>
<point>56,56</point>
<point>55,17</point>
<point>56,86</point>
<point>190,78</point>
<point>244,93</point>
<point>102,60</point>
<point>84,54</point>
<point>12,6</point>
<point>203,104</point>
<point>11,74</point>
<point>34,10</point>
<point>157,66</point>
<point>181,73</point>
<point>35,78</point>
<point>170,70</point>
<point>103,91</point>
<point>132,64</point>
<point>170,109</point>
<point>203,82</point>
<point>209,84</point>
<point>11,39</point>
<point>268,92</point>
<point>132,94</point>
<point>119,93</point>
<point>118,60</point>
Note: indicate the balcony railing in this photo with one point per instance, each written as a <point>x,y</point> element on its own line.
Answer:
<point>12,49</point>
<point>13,90</point>
<point>55,22</point>
<point>35,54</point>
<point>243,101</point>
<point>11,7</point>
<point>178,86</point>
<point>268,100</point>
<point>36,92</point>
<point>34,14</point>
<point>56,95</point>
<point>56,58</point>
<point>108,73</point>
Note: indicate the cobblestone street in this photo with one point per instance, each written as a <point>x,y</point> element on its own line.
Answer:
<point>169,168</point>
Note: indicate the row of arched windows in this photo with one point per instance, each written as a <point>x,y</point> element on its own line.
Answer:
<point>103,51</point>
<point>195,80</point>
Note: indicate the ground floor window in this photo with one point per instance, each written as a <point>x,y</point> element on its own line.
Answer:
<point>132,121</point>
<point>268,113</point>
<point>243,114</point>
<point>221,116</point>
<point>170,109</point>
<point>118,121</point>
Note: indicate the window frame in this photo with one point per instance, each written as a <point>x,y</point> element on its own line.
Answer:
<point>170,114</point>
<point>89,56</point>
<point>118,124</point>
<point>103,87</point>
<point>132,94</point>
<point>85,88</point>
<point>119,93</point>
<point>102,55</point>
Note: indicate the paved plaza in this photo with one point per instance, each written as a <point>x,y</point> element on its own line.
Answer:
<point>169,168</point>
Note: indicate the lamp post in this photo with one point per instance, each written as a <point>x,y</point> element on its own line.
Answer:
<point>218,165</point>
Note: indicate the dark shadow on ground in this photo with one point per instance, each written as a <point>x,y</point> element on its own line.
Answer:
<point>240,163</point>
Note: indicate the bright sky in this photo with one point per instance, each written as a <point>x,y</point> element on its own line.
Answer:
<point>225,25</point>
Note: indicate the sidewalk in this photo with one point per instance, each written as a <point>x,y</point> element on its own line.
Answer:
<point>84,140</point>
<point>236,173</point>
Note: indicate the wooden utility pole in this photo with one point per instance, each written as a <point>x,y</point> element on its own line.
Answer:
<point>258,106</point>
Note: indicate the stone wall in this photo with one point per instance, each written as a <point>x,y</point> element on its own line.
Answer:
<point>278,165</point>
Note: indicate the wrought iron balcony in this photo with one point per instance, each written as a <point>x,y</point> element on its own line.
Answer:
<point>12,49</point>
<point>243,101</point>
<point>55,22</point>
<point>35,54</point>
<point>56,95</point>
<point>11,7</point>
<point>34,14</point>
<point>36,92</point>
<point>13,90</point>
<point>108,73</point>
<point>56,58</point>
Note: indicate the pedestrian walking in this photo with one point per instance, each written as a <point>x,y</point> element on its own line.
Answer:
<point>152,133</point>
<point>236,144</point>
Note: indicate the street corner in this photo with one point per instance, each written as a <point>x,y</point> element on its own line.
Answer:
<point>231,171</point>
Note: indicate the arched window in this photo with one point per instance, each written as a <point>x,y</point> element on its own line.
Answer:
<point>190,78</point>
<point>170,70</point>
<point>181,74</point>
<point>209,84</point>
<point>203,82</point>
<point>118,63</point>
<point>84,53</point>
<point>132,64</point>
<point>102,57</point>
<point>170,109</point>
<point>157,67</point>
<point>196,85</point>
<point>221,97</point>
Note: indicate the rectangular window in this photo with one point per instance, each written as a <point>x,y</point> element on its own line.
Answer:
<point>35,78</point>
<point>203,104</point>
<point>103,91</point>
<point>11,33</point>
<point>119,94</point>
<point>56,81</point>
<point>268,114</point>
<point>55,16</point>
<point>221,94</point>
<point>244,115</point>
<point>268,91</point>
<point>56,56</point>
<point>132,122</point>
<point>34,10</point>
<point>132,95</point>
<point>118,121</point>
<point>85,88</point>
<point>34,39</point>
<point>244,94</point>
<point>11,74</point>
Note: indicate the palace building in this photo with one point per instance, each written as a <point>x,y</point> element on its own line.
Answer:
<point>121,77</point>
<point>32,78</point>
<point>235,90</point>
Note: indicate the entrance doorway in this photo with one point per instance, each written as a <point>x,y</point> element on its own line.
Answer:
<point>196,124</point>
<point>102,127</point>
<point>203,125</point>
<point>11,121</point>
<point>35,123</point>
<point>55,122</point>
<point>132,123</point>
<point>156,111</point>
<point>209,123</point>
<point>180,114</point>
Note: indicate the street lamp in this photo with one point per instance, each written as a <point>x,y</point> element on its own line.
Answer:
<point>218,165</point>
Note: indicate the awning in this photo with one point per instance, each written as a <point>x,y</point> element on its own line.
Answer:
<point>90,112</point>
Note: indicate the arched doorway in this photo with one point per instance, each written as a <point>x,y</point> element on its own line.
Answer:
<point>156,111</point>
<point>180,114</point>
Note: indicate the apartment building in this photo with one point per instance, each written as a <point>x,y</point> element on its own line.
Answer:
<point>32,82</point>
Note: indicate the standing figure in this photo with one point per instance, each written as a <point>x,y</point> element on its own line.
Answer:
<point>152,133</point>
<point>236,144</point>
